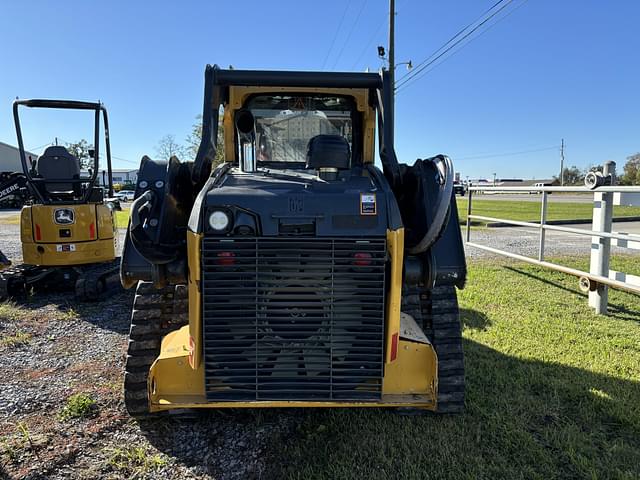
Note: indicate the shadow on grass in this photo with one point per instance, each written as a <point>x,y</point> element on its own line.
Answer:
<point>524,419</point>
<point>474,319</point>
<point>615,310</point>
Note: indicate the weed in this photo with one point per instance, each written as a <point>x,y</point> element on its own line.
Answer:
<point>68,314</point>
<point>23,429</point>
<point>133,460</point>
<point>11,312</point>
<point>9,450</point>
<point>79,405</point>
<point>18,339</point>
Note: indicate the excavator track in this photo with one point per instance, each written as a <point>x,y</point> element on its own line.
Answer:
<point>95,282</point>
<point>438,313</point>
<point>91,283</point>
<point>15,280</point>
<point>155,313</point>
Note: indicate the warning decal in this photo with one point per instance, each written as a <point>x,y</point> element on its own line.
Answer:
<point>368,204</point>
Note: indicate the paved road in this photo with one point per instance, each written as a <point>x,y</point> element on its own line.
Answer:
<point>535,197</point>
<point>524,241</point>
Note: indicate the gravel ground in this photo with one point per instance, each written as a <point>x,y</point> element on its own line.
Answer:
<point>52,348</point>
<point>524,241</point>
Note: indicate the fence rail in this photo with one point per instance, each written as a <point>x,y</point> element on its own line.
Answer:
<point>597,280</point>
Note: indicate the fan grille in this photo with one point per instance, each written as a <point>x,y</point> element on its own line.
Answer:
<point>293,318</point>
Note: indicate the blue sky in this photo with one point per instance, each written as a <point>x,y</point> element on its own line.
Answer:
<point>550,70</point>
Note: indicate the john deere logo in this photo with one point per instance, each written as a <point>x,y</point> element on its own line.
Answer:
<point>64,216</point>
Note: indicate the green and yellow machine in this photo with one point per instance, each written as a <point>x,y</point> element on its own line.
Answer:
<point>68,232</point>
<point>296,273</point>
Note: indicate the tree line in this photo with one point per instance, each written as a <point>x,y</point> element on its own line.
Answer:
<point>168,146</point>
<point>630,174</point>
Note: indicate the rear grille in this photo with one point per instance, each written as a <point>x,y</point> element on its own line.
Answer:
<point>293,318</point>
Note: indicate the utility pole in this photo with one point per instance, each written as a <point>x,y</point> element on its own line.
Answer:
<point>392,56</point>
<point>494,179</point>
<point>562,163</point>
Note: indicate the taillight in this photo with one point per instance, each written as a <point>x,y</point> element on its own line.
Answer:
<point>38,233</point>
<point>92,230</point>
<point>226,258</point>
<point>362,259</point>
<point>394,347</point>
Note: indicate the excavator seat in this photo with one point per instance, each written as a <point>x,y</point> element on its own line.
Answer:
<point>56,163</point>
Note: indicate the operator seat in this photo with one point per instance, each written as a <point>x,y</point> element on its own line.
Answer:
<point>328,152</point>
<point>56,163</point>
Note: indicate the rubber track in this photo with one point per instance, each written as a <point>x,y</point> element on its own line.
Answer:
<point>155,313</point>
<point>437,312</point>
<point>96,282</point>
<point>13,280</point>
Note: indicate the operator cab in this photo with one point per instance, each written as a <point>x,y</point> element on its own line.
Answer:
<point>289,131</point>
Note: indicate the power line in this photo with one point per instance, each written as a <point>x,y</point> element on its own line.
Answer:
<point>335,35</point>
<point>451,39</point>
<point>39,147</point>
<point>373,37</point>
<point>124,159</point>
<point>508,154</point>
<point>463,45</point>
<point>353,26</point>
<point>369,43</point>
<point>448,46</point>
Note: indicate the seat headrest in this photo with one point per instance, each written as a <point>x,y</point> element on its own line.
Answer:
<point>328,151</point>
<point>57,151</point>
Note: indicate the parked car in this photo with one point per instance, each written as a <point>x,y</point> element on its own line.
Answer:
<point>459,188</point>
<point>125,195</point>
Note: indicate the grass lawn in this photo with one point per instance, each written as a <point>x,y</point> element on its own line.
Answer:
<point>530,211</point>
<point>553,391</point>
<point>122,218</point>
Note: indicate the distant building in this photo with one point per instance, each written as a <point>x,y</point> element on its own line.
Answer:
<point>10,158</point>
<point>529,183</point>
<point>121,175</point>
<point>514,182</point>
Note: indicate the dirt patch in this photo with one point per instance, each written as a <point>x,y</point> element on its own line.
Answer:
<point>80,349</point>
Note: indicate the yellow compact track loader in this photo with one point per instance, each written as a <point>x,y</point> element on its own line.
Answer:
<point>68,231</point>
<point>296,273</point>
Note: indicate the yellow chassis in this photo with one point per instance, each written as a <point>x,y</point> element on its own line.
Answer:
<point>176,378</point>
<point>409,381</point>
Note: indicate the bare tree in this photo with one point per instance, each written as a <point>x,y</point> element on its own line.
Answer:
<point>195,138</point>
<point>168,147</point>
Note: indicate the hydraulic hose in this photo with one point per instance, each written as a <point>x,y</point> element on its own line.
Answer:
<point>445,169</point>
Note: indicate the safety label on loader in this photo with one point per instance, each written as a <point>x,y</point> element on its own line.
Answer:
<point>368,204</point>
<point>70,247</point>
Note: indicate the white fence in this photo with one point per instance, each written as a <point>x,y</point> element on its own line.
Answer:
<point>599,277</point>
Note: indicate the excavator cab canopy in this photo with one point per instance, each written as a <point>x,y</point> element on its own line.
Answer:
<point>57,176</point>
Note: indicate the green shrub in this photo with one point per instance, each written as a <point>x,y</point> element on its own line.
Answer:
<point>79,405</point>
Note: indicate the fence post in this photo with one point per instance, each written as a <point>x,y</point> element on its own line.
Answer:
<point>470,192</point>
<point>543,221</point>
<point>601,247</point>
